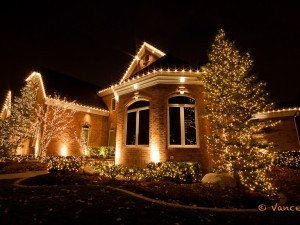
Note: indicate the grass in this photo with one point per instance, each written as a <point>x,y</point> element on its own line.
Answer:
<point>69,198</point>
<point>196,194</point>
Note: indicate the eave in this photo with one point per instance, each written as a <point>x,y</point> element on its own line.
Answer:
<point>289,112</point>
<point>77,107</point>
<point>151,79</point>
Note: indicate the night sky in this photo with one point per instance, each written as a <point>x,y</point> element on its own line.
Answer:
<point>95,42</point>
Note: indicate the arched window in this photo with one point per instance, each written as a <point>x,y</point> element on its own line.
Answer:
<point>182,124</point>
<point>137,132</point>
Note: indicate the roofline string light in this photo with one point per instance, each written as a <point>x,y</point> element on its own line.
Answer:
<point>139,76</point>
<point>39,76</point>
<point>144,46</point>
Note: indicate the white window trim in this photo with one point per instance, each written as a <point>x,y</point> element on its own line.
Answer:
<point>182,106</point>
<point>137,119</point>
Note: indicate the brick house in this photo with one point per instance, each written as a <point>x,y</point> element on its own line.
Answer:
<point>154,113</point>
<point>286,135</point>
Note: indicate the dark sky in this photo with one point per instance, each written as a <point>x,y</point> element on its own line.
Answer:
<point>95,42</point>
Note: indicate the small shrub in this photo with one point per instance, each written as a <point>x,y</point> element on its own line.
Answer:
<point>64,163</point>
<point>290,159</point>
<point>106,169</point>
<point>101,151</point>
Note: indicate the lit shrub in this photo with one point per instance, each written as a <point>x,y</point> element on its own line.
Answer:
<point>179,172</point>
<point>290,159</point>
<point>131,174</point>
<point>101,151</point>
<point>106,169</point>
<point>64,163</point>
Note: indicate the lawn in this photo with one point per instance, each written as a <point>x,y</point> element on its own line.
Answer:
<point>85,199</point>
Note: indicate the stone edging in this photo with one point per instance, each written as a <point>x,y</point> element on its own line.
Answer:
<point>282,200</point>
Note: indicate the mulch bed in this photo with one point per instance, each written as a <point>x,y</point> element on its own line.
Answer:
<point>195,194</point>
<point>20,167</point>
<point>198,194</point>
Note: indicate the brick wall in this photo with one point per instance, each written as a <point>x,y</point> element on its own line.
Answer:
<point>158,97</point>
<point>98,135</point>
<point>284,135</point>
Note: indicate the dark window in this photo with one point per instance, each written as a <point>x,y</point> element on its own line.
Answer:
<point>182,125</point>
<point>147,58</point>
<point>297,124</point>
<point>131,128</point>
<point>175,131</point>
<point>138,123</point>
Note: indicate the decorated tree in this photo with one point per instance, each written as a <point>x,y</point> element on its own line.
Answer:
<point>54,121</point>
<point>232,96</point>
<point>19,125</point>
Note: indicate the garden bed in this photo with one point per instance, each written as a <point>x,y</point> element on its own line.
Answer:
<point>21,167</point>
<point>195,194</point>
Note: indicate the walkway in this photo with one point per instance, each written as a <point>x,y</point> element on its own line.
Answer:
<point>22,175</point>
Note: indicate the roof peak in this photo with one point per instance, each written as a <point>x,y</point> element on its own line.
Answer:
<point>145,47</point>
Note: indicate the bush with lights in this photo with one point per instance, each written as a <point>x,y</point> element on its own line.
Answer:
<point>290,159</point>
<point>101,151</point>
<point>179,172</point>
<point>106,169</point>
<point>64,163</point>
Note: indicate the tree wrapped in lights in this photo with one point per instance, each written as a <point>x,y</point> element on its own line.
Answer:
<point>232,96</point>
<point>54,121</point>
<point>19,125</point>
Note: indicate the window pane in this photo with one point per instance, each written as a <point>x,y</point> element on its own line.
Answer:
<point>138,104</point>
<point>144,127</point>
<point>297,121</point>
<point>181,100</point>
<point>175,134</point>
<point>131,125</point>
<point>85,135</point>
<point>189,126</point>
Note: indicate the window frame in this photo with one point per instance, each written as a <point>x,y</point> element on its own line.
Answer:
<point>113,104</point>
<point>137,119</point>
<point>182,126</point>
<point>85,128</point>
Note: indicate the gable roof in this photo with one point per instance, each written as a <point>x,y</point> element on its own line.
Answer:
<point>143,49</point>
<point>73,89</point>
<point>167,62</point>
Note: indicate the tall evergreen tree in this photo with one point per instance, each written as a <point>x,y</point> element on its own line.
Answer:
<point>233,95</point>
<point>19,125</point>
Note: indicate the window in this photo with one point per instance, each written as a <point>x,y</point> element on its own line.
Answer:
<point>297,124</point>
<point>138,123</point>
<point>182,125</point>
<point>111,137</point>
<point>113,104</point>
<point>85,135</point>
<point>146,59</point>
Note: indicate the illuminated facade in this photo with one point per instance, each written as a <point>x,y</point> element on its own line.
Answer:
<point>155,112</point>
